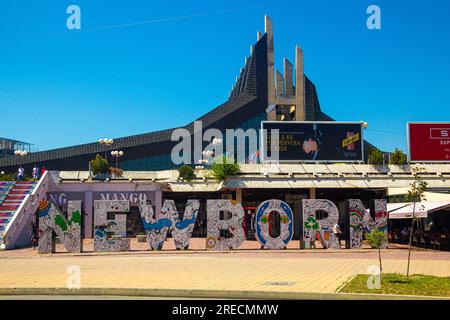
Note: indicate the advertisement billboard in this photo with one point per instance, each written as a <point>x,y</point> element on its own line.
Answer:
<point>429,141</point>
<point>319,141</point>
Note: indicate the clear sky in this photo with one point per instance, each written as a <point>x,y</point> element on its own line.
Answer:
<point>138,66</point>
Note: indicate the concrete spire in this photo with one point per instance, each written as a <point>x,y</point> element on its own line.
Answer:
<point>270,65</point>
<point>288,78</point>
<point>268,28</point>
<point>280,84</point>
<point>300,113</point>
<point>258,36</point>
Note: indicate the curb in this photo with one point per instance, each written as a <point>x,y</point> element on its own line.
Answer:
<point>207,294</point>
<point>198,252</point>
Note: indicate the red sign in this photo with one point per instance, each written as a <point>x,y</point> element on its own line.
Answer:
<point>429,142</point>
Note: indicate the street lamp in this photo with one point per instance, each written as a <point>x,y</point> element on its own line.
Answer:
<point>117,154</point>
<point>107,142</point>
<point>20,153</point>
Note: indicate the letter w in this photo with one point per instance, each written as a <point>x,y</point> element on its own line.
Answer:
<point>157,228</point>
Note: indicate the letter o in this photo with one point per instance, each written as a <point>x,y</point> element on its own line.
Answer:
<point>262,221</point>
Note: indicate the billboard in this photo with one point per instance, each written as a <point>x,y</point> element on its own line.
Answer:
<point>429,141</point>
<point>319,141</point>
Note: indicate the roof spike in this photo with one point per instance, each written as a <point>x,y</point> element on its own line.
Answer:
<point>267,25</point>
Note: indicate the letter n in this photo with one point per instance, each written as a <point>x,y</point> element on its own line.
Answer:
<point>68,231</point>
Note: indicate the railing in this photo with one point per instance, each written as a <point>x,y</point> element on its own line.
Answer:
<point>18,232</point>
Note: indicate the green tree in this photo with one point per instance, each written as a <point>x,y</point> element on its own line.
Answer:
<point>398,157</point>
<point>376,238</point>
<point>375,156</point>
<point>224,167</point>
<point>416,194</point>
<point>186,173</point>
<point>99,165</point>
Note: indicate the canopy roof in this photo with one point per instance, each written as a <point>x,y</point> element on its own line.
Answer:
<point>422,209</point>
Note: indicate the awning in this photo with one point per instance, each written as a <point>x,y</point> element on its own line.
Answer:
<point>405,210</point>
<point>195,187</point>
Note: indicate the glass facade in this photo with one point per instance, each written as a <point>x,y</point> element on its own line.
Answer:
<point>164,162</point>
<point>154,163</point>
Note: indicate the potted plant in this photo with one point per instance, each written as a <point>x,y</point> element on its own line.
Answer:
<point>115,172</point>
<point>186,173</point>
<point>99,167</point>
<point>223,168</point>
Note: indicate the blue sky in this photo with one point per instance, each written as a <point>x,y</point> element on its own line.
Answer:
<point>60,87</point>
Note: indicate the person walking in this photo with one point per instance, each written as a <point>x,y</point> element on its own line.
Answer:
<point>20,174</point>
<point>337,232</point>
<point>36,172</point>
<point>43,171</point>
<point>34,235</point>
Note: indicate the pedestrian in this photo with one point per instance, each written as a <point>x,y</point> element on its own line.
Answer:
<point>34,235</point>
<point>43,171</point>
<point>36,172</point>
<point>337,232</point>
<point>20,174</point>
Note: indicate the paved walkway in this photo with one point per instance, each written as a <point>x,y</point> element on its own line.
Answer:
<point>245,270</point>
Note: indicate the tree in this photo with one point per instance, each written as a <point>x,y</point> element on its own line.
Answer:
<point>99,165</point>
<point>416,194</point>
<point>375,156</point>
<point>224,167</point>
<point>398,158</point>
<point>186,173</point>
<point>376,239</point>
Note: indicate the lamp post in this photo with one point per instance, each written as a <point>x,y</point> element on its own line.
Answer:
<point>117,154</point>
<point>107,142</point>
<point>20,153</point>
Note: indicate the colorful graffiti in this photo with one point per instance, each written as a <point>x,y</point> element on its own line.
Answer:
<point>157,229</point>
<point>108,233</point>
<point>224,234</point>
<point>263,225</point>
<point>274,224</point>
<point>68,230</point>
<point>321,227</point>
<point>361,221</point>
<point>381,220</point>
<point>357,213</point>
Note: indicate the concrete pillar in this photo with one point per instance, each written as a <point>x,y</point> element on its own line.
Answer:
<point>270,61</point>
<point>288,78</point>
<point>312,193</point>
<point>88,215</point>
<point>280,84</point>
<point>239,196</point>
<point>300,113</point>
<point>271,113</point>
<point>158,202</point>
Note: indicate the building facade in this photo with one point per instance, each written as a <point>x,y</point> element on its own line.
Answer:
<point>260,93</point>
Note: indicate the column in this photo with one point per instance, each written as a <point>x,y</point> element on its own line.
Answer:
<point>88,215</point>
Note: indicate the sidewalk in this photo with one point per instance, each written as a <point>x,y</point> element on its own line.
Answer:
<point>256,274</point>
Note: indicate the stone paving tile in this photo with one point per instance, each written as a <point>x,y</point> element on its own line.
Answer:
<point>301,271</point>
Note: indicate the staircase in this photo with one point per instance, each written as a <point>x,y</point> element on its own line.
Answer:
<point>18,203</point>
<point>11,199</point>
